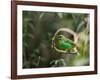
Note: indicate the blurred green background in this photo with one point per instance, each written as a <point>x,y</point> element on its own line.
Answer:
<point>38,30</point>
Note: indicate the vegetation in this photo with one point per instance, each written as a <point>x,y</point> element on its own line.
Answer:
<point>38,30</point>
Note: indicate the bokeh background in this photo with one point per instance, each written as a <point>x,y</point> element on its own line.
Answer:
<point>38,30</point>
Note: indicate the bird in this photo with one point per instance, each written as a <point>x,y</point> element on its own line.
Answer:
<point>64,43</point>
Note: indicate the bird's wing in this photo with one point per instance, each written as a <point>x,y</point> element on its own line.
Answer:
<point>66,45</point>
<point>70,42</point>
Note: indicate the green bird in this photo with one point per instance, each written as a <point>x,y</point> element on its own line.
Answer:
<point>64,43</point>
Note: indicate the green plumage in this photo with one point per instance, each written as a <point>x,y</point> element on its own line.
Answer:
<point>64,43</point>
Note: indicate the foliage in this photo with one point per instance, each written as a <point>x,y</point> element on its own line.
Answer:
<point>38,30</point>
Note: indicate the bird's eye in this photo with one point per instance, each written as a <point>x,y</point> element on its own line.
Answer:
<point>59,37</point>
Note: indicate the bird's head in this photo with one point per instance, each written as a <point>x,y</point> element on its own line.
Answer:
<point>60,37</point>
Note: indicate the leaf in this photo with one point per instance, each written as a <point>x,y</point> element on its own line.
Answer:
<point>60,15</point>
